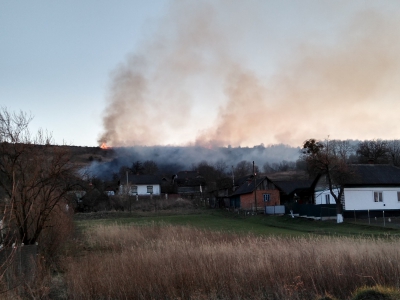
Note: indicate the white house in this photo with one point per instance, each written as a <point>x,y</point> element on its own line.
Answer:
<point>324,196</point>
<point>371,188</point>
<point>140,185</point>
<point>372,198</point>
<point>375,187</point>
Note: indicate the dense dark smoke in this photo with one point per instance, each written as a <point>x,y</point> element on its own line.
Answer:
<point>193,83</point>
<point>171,159</point>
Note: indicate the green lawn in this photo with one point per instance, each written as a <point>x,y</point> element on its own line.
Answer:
<point>259,225</point>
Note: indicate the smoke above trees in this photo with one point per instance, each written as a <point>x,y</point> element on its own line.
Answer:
<point>219,73</point>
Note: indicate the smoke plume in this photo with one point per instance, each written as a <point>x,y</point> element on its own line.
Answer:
<point>219,73</point>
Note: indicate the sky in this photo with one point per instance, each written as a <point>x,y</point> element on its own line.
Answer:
<point>202,72</point>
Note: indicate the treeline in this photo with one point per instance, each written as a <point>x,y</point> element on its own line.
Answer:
<point>208,170</point>
<point>358,152</point>
<point>375,151</point>
<point>172,159</point>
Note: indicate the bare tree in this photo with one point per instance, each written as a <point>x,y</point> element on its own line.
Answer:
<point>393,152</point>
<point>208,172</point>
<point>150,167</point>
<point>244,168</point>
<point>34,175</point>
<point>268,168</point>
<point>221,166</point>
<point>330,159</point>
<point>137,168</point>
<point>373,150</point>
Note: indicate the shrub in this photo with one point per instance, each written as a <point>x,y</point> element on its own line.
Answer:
<point>56,235</point>
<point>376,293</point>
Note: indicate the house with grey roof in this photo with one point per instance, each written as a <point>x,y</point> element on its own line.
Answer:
<point>372,187</point>
<point>140,185</point>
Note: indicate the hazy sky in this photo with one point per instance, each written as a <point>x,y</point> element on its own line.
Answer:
<point>203,72</point>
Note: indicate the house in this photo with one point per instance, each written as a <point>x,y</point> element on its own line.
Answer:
<point>255,193</point>
<point>219,195</point>
<point>111,188</point>
<point>189,183</point>
<point>140,185</point>
<point>296,191</point>
<point>372,187</point>
<point>324,196</point>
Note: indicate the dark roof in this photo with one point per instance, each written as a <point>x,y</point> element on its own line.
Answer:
<point>292,186</point>
<point>187,174</point>
<point>239,181</point>
<point>375,175</point>
<point>292,175</point>
<point>248,186</point>
<point>189,178</point>
<point>142,179</point>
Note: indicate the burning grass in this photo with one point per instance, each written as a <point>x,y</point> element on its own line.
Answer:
<point>160,261</point>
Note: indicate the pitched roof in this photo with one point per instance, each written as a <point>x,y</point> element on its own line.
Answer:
<point>370,174</point>
<point>189,178</point>
<point>248,186</point>
<point>291,186</point>
<point>143,179</point>
<point>239,181</point>
<point>187,174</point>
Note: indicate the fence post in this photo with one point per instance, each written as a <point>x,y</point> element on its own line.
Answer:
<point>355,220</point>
<point>369,220</point>
<point>384,224</point>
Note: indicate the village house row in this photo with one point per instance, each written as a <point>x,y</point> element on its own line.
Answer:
<point>374,189</point>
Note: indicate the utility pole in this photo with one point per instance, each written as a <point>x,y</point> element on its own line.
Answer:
<point>255,188</point>
<point>233,179</point>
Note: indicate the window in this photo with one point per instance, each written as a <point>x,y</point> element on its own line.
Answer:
<point>150,189</point>
<point>327,199</point>
<point>267,197</point>
<point>134,189</point>
<point>378,197</point>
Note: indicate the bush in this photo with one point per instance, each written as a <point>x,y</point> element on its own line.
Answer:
<point>56,235</point>
<point>376,293</point>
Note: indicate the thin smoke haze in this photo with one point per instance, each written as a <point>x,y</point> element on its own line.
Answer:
<point>193,81</point>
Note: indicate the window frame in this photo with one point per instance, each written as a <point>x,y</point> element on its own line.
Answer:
<point>378,196</point>
<point>149,189</point>
<point>267,197</point>
<point>134,189</point>
<point>327,199</point>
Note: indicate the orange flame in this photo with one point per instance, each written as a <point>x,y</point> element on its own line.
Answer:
<point>104,146</point>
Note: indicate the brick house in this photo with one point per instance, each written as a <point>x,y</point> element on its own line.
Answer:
<point>255,192</point>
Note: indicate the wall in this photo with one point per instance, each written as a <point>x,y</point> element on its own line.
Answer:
<point>363,199</point>
<point>142,189</point>
<point>320,197</point>
<point>247,200</point>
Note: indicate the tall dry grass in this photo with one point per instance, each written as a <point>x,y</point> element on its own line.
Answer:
<point>169,262</point>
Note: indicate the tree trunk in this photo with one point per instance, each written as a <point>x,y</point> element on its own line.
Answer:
<point>339,211</point>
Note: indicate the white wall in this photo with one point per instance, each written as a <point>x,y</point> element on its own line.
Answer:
<point>320,197</point>
<point>142,189</point>
<point>363,198</point>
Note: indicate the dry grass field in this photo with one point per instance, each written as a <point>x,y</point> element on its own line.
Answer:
<point>161,261</point>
